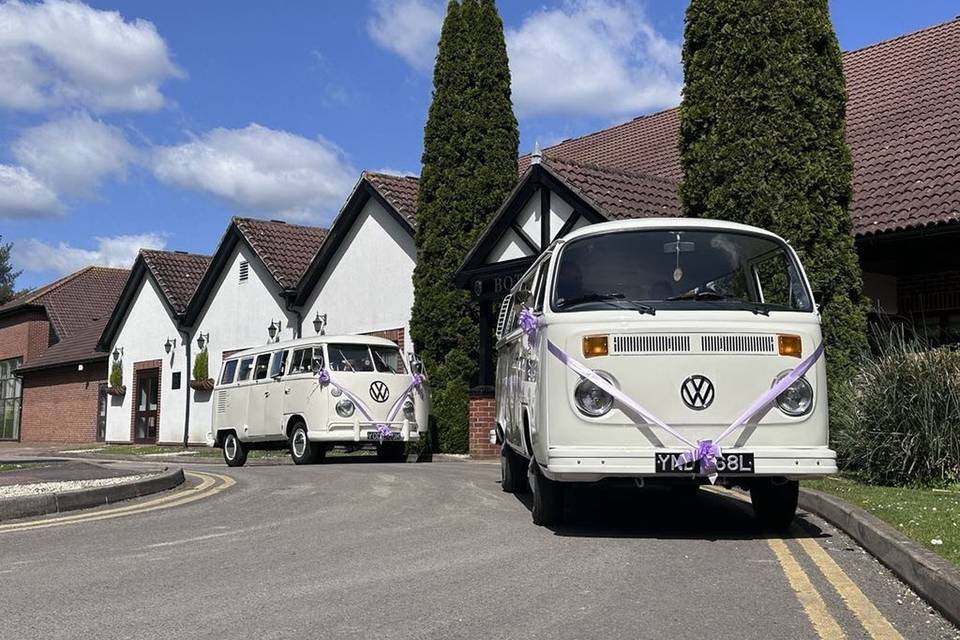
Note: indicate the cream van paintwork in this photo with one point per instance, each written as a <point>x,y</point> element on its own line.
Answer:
<point>261,412</point>
<point>537,417</point>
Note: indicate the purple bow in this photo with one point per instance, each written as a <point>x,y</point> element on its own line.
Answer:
<point>383,431</point>
<point>324,376</point>
<point>417,380</point>
<point>529,323</point>
<point>706,453</point>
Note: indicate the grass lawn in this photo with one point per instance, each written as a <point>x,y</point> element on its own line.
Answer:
<point>10,467</point>
<point>195,452</point>
<point>926,515</point>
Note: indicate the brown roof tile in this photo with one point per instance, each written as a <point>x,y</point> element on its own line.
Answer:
<point>177,274</point>
<point>73,301</point>
<point>286,249</point>
<point>619,194</point>
<point>79,347</point>
<point>399,191</point>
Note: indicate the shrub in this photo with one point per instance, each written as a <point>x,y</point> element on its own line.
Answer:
<point>200,371</point>
<point>897,420</point>
<point>116,374</point>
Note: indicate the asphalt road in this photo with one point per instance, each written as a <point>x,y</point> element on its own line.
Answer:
<point>369,550</point>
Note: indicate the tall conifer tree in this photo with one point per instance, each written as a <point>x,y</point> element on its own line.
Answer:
<point>8,276</point>
<point>762,142</point>
<point>469,166</point>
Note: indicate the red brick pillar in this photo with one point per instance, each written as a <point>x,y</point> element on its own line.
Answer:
<point>483,411</point>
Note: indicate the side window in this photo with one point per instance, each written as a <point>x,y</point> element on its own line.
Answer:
<point>541,283</point>
<point>278,364</point>
<point>246,365</point>
<point>229,370</point>
<point>522,298</point>
<point>300,361</point>
<point>260,368</point>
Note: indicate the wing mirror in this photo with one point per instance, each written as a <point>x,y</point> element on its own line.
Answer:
<point>416,365</point>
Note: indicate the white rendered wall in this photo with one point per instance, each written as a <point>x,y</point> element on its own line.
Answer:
<point>368,284</point>
<point>236,315</point>
<point>142,335</point>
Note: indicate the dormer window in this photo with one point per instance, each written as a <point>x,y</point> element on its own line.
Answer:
<point>244,271</point>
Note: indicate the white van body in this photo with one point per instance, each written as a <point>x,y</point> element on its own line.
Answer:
<point>656,310</point>
<point>263,394</point>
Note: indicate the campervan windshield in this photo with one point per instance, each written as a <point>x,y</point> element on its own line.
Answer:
<point>678,269</point>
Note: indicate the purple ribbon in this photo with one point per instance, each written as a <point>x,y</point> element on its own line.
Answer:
<point>383,431</point>
<point>415,381</point>
<point>529,323</point>
<point>324,378</point>
<point>705,451</point>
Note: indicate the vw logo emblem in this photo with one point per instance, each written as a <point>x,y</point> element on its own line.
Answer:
<point>697,392</point>
<point>379,391</point>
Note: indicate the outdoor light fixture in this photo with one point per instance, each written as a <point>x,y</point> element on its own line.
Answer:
<point>320,323</point>
<point>272,329</point>
<point>170,344</point>
<point>117,352</point>
<point>202,339</point>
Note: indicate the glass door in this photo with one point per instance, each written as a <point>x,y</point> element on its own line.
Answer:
<point>148,407</point>
<point>102,412</point>
<point>10,390</point>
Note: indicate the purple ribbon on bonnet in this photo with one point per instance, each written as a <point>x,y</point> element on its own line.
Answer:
<point>324,377</point>
<point>415,382</point>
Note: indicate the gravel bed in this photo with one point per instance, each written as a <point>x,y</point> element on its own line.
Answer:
<point>37,488</point>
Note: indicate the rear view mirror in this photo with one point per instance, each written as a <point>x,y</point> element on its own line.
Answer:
<point>678,247</point>
<point>818,298</point>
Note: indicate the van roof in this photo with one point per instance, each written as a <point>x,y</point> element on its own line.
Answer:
<point>666,224</point>
<point>312,341</point>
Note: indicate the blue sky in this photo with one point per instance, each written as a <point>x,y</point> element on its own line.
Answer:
<point>150,123</point>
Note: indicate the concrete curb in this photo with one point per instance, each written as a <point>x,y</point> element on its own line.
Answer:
<point>45,504</point>
<point>933,578</point>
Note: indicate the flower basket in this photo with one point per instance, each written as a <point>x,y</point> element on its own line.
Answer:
<point>202,385</point>
<point>117,391</point>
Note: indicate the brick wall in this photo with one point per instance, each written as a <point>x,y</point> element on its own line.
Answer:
<point>60,404</point>
<point>24,335</point>
<point>482,418</point>
<point>395,335</point>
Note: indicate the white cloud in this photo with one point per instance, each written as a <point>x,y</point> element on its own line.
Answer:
<point>408,28</point>
<point>66,53</point>
<point>592,57</point>
<point>258,169</point>
<point>72,155</point>
<point>23,196</point>
<point>111,251</point>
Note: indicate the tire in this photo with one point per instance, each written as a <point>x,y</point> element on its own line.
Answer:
<point>234,451</point>
<point>391,451</point>
<point>513,470</point>
<point>775,504</point>
<point>301,449</point>
<point>547,497</point>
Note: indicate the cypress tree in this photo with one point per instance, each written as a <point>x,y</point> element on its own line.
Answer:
<point>8,276</point>
<point>762,143</point>
<point>469,166</point>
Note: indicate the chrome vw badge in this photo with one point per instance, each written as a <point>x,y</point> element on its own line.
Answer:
<point>379,391</point>
<point>697,392</point>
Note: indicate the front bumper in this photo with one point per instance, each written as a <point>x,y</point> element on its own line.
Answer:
<point>590,464</point>
<point>405,431</point>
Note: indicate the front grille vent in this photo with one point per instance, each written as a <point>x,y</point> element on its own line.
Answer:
<point>222,401</point>
<point>641,344</point>
<point>738,344</point>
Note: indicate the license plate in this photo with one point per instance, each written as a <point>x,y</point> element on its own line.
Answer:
<point>727,463</point>
<point>376,435</point>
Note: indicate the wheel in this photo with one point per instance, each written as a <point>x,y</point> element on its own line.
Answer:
<point>391,451</point>
<point>775,503</point>
<point>301,449</point>
<point>513,477</point>
<point>234,451</point>
<point>547,497</point>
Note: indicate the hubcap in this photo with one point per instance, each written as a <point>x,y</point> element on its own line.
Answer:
<point>230,448</point>
<point>299,443</point>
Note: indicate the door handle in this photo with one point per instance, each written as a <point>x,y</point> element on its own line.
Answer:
<point>287,390</point>
<point>266,394</point>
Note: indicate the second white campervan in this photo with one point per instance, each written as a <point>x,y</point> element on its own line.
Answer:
<point>315,393</point>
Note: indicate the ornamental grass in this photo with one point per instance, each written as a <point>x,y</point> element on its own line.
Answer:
<point>897,421</point>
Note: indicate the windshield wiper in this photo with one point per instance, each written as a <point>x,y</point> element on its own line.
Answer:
<point>611,299</point>
<point>757,309</point>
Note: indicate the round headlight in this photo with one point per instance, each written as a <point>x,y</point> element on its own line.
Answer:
<point>408,411</point>
<point>592,400</point>
<point>345,408</point>
<point>797,399</point>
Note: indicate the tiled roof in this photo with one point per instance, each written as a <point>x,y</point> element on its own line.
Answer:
<point>80,347</point>
<point>903,128</point>
<point>399,191</point>
<point>177,274</point>
<point>286,249</point>
<point>73,301</point>
<point>619,194</point>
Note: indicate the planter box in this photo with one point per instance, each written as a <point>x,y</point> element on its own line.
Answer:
<point>202,385</point>
<point>117,391</point>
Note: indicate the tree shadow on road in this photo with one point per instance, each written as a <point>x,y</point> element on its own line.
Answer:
<point>656,512</point>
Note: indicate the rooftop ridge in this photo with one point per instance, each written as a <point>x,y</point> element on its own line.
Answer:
<point>612,170</point>
<point>903,36</point>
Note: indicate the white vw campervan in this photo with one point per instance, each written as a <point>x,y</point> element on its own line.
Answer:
<point>315,393</point>
<point>672,351</point>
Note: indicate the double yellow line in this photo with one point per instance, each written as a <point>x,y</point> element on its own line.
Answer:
<point>210,484</point>
<point>826,626</point>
